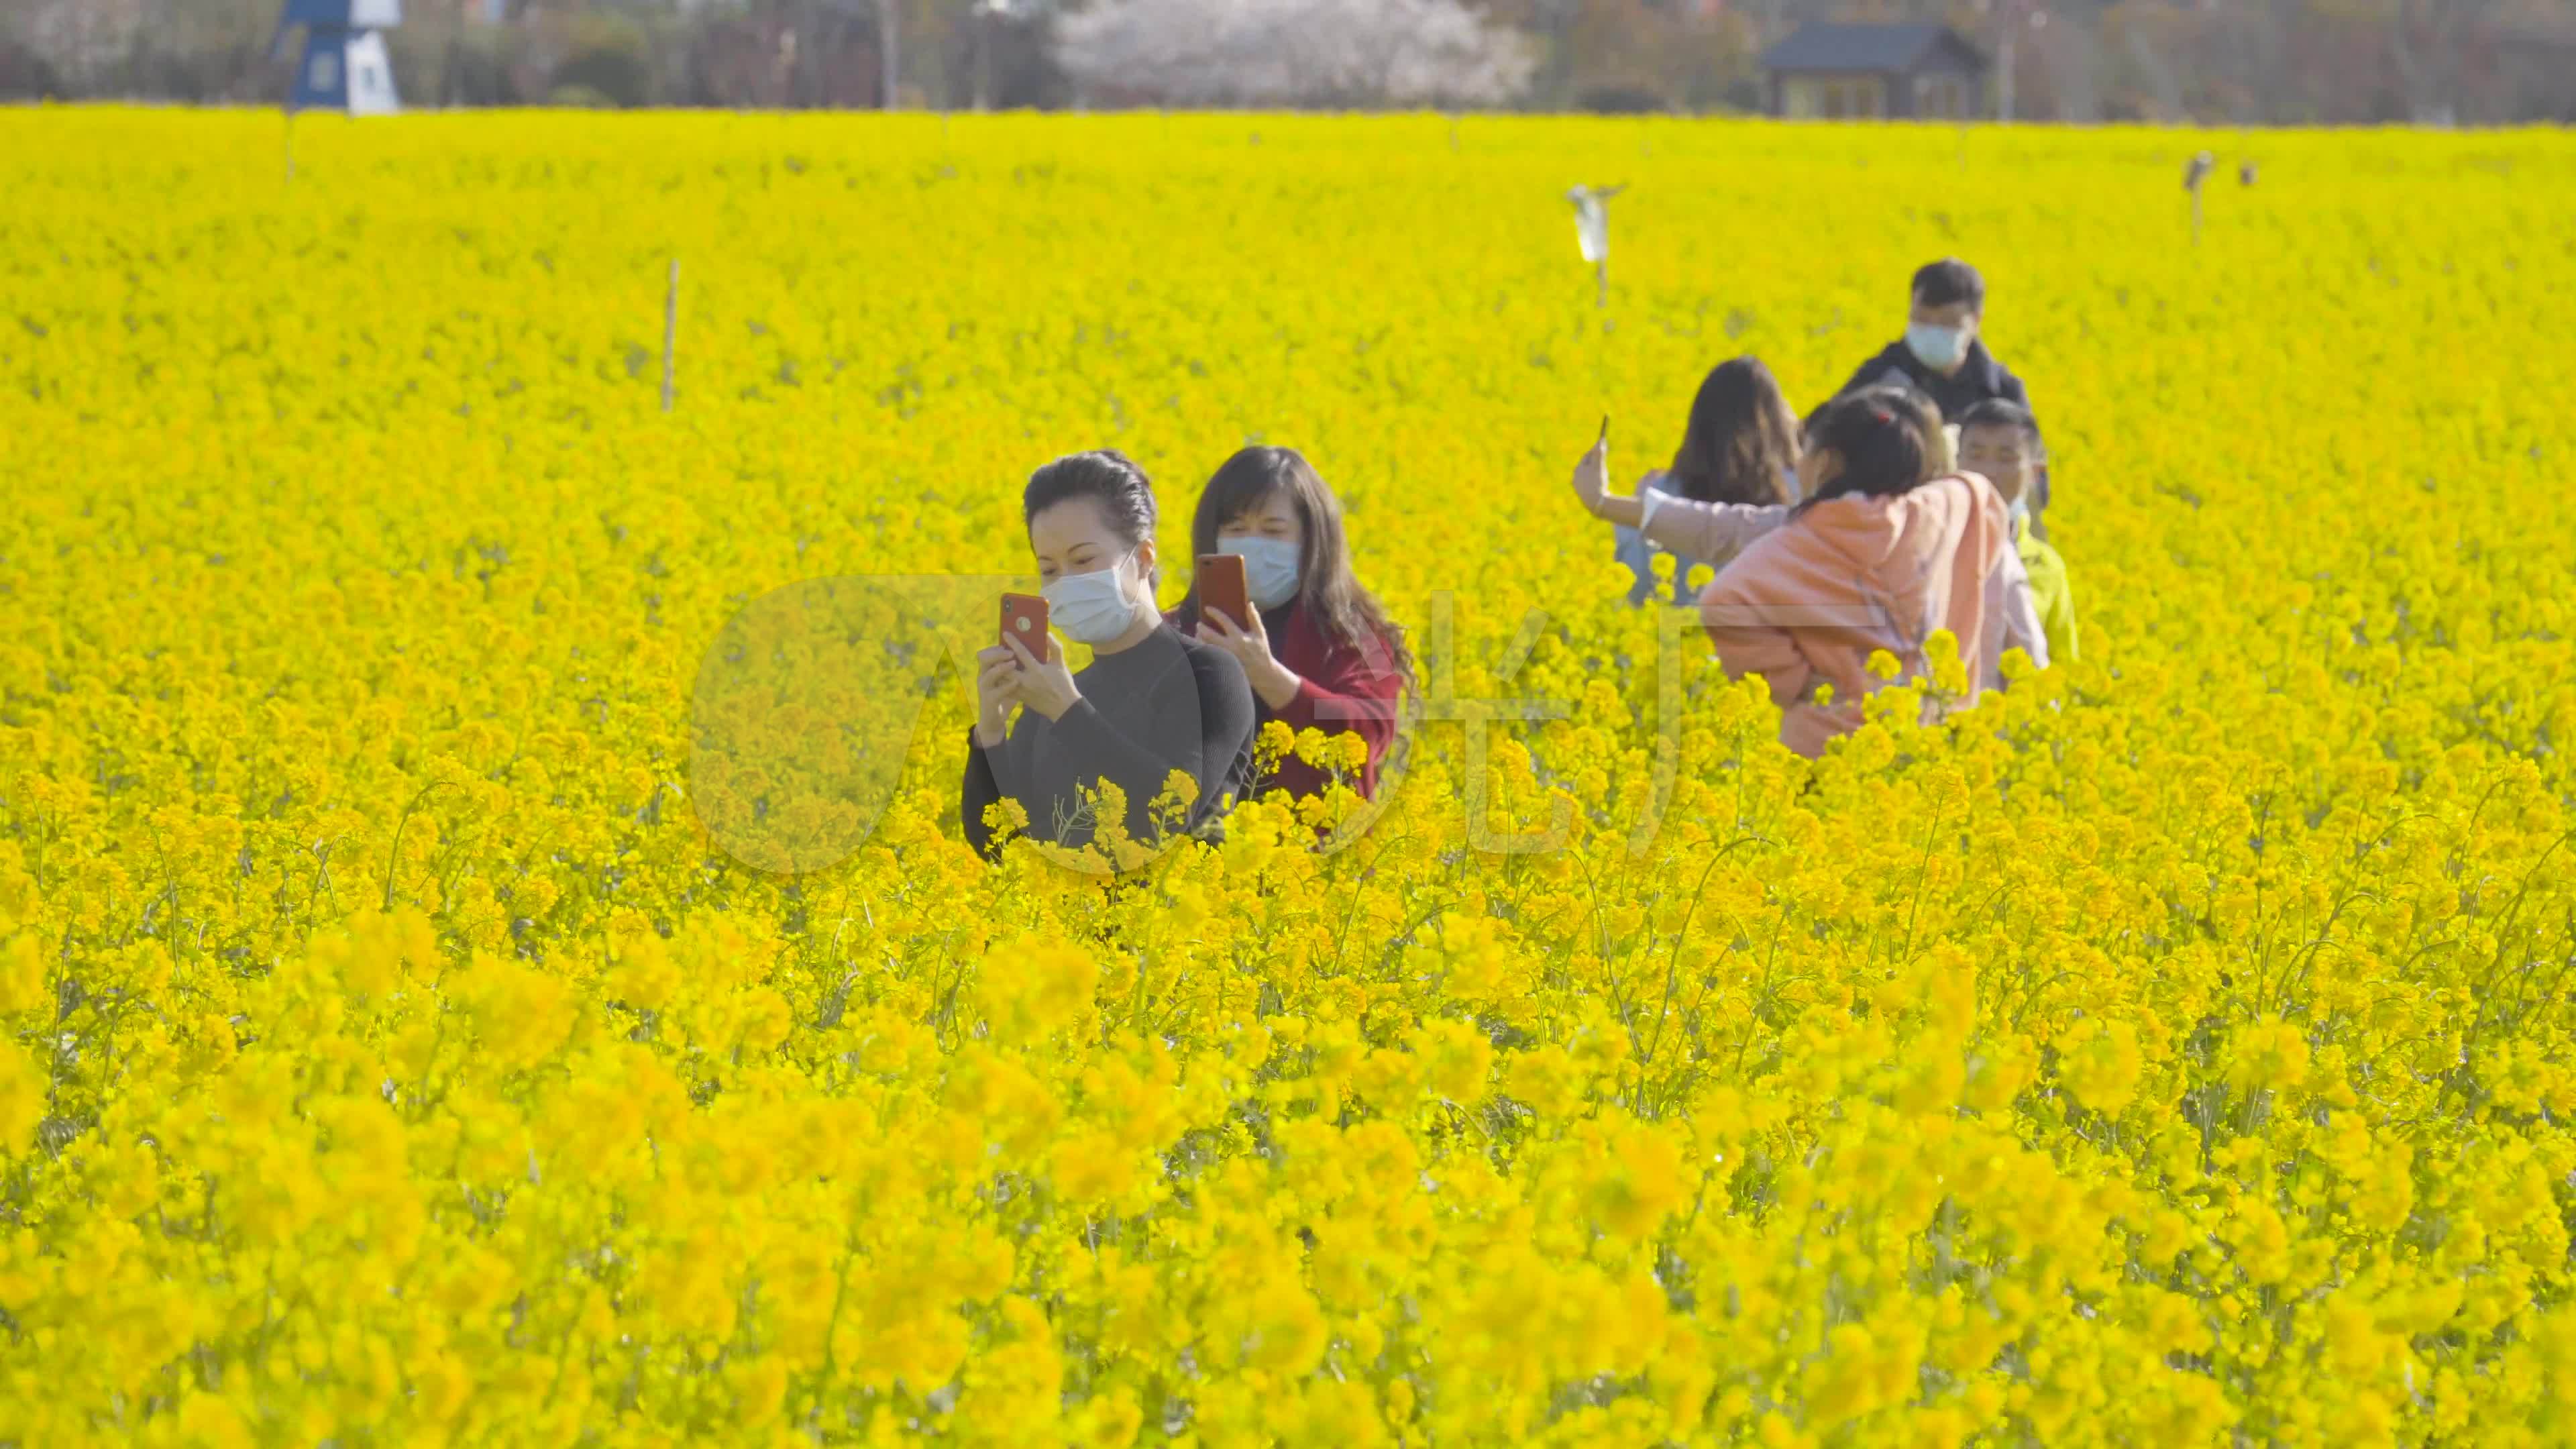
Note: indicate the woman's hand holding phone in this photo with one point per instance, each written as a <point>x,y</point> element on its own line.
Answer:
<point>1012,672</point>
<point>1249,643</point>
<point>1592,473</point>
<point>1045,685</point>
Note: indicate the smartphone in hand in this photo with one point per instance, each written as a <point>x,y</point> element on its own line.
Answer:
<point>1222,588</point>
<point>1024,617</point>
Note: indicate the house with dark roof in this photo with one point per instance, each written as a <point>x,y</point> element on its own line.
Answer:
<point>1832,72</point>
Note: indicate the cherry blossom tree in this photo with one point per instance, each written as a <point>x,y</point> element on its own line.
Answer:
<point>1292,53</point>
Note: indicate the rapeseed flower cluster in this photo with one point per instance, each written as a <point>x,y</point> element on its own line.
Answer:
<point>2170,1049</point>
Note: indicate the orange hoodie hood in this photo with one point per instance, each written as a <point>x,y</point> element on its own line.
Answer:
<point>1810,602</point>
<point>1923,555</point>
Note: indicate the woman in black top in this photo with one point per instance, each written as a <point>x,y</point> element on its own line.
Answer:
<point>1152,700</point>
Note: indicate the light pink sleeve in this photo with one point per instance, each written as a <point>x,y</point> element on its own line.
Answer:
<point>1710,532</point>
<point>2012,618</point>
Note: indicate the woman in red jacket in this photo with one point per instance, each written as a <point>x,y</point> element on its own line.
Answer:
<point>1319,650</point>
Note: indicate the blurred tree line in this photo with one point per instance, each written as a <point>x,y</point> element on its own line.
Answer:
<point>942,54</point>
<point>2235,61</point>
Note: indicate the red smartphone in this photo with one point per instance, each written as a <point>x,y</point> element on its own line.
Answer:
<point>1221,587</point>
<point>1024,617</point>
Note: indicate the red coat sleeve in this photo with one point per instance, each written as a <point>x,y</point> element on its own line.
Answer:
<point>1342,689</point>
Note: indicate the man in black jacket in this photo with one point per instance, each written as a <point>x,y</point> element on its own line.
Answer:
<point>1941,356</point>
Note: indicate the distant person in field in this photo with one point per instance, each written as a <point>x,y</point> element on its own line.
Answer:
<point>1878,555</point>
<point>1319,650</point>
<point>1731,481</point>
<point>2001,440</point>
<point>1943,353</point>
<point>1153,699</point>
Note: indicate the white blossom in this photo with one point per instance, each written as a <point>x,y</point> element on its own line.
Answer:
<point>1292,53</point>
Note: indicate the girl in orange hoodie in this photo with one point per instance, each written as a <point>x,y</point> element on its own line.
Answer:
<point>1879,556</point>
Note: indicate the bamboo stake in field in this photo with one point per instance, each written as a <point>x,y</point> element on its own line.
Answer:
<point>290,148</point>
<point>670,330</point>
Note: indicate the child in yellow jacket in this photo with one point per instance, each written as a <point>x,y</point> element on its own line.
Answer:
<point>2001,440</point>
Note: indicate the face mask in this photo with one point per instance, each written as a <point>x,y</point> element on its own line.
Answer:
<point>1269,568</point>
<point>2013,515</point>
<point>1941,348</point>
<point>1092,608</point>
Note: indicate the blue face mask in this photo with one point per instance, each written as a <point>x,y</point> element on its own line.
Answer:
<point>1095,607</point>
<point>1269,568</point>
<point>1940,348</point>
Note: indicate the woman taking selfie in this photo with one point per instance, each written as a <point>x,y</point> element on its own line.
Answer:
<point>1730,482</point>
<point>1319,651</point>
<point>1151,701</point>
<point>1879,556</point>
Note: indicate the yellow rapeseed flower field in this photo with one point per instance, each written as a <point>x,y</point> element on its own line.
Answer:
<point>2175,1049</point>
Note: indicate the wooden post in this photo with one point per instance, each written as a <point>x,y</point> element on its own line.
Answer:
<point>290,148</point>
<point>983,57</point>
<point>2194,173</point>
<point>889,53</point>
<point>2004,73</point>
<point>670,331</point>
<point>1601,283</point>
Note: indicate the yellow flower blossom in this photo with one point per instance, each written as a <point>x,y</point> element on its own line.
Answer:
<point>436,1008</point>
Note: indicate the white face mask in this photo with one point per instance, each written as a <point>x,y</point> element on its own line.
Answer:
<point>1940,348</point>
<point>1091,608</point>
<point>1269,568</point>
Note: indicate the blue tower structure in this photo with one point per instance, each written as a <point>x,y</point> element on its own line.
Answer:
<point>345,67</point>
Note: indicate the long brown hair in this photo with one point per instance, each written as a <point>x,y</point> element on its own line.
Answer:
<point>1326,588</point>
<point>1741,438</point>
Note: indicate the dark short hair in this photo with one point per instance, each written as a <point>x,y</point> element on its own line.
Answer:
<point>1108,478</point>
<point>1950,280</point>
<point>1815,415</point>
<point>1995,412</point>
